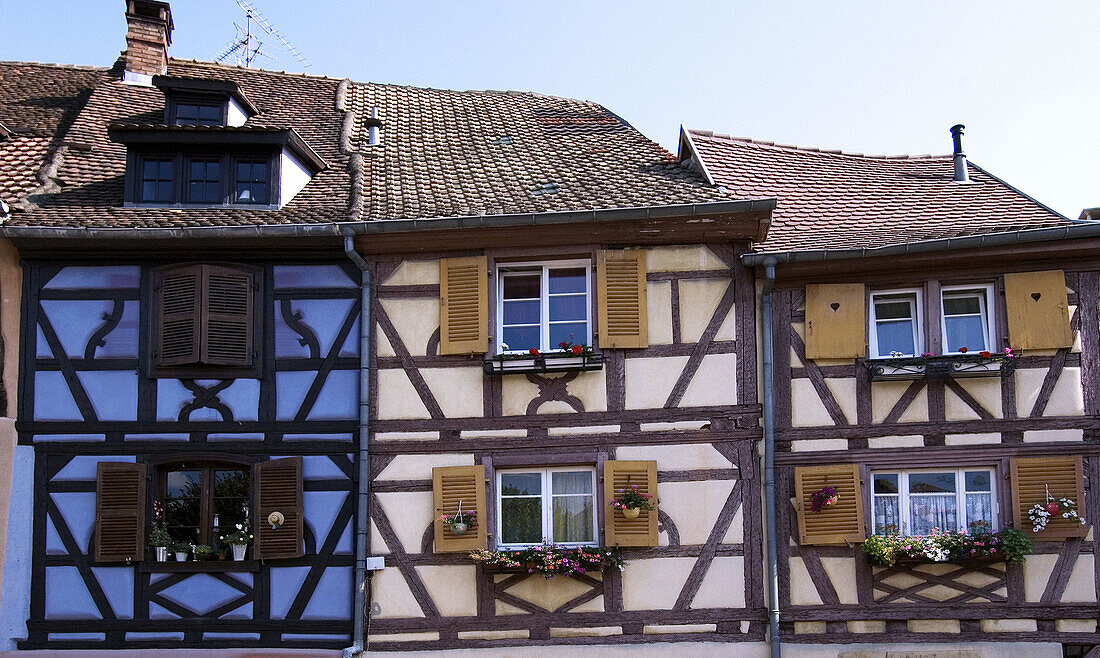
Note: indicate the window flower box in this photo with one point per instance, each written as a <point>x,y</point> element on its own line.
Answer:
<point>980,364</point>
<point>1009,545</point>
<point>549,560</point>
<point>538,362</point>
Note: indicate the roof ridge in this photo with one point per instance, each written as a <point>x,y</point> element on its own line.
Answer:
<point>809,149</point>
<point>55,65</point>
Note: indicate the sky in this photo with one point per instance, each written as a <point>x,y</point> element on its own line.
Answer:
<point>877,77</point>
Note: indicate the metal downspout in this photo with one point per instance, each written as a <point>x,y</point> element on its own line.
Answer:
<point>769,458</point>
<point>359,611</point>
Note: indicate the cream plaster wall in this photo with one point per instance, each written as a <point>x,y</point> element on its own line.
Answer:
<point>972,439</point>
<point>552,593</point>
<point>414,273</point>
<point>409,514</point>
<point>650,380</point>
<point>844,392</point>
<point>654,584</point>
<point>723,585</point>
<point>803,591</point>
<point>907,441</point>
<point>693,506</point>
<point>698,300</point>
<point>682,259</point>
<point>807,410</point>
<point>1067,398</point>
<point>397,399</point>
<point>415,320</point>
<point>884,395</point>
<point>452,588</point>
<point>683,457</point>
<point>714,382</point>
<point>987,392</point>
<point>659,312</point>
<point>419,467</point>
<point>1053,436</point>
<point>392,594</point>
<point>842,573</point>
<point>517,392</point>
<point>457,390</point>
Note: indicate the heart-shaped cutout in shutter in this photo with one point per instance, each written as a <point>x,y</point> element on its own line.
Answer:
<point>834,306</point>
<point>1036,295</point>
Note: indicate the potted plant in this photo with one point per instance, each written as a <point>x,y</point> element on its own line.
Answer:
<point>159,538</point>
<point>1040,514</point>
<point>202,552</point>
<point>238,540</point>
<point>631,502</point>
<point>460,521</point>
<point>823,498</point>
<point>550,560</point>
<point>181,549</point>
<point>1010,545</point>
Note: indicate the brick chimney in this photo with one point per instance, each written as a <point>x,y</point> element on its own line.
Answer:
<point>148,35</point>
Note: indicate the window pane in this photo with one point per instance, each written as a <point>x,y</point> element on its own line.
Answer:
<point>210,113</point>
<point>886,483</point>
<point>521,338</point>
<point>521,312</point>
<point>961,305</point>
<point>567,280</point>
<point>931,483</point>
<point>573,518</point>
<point>932,512</point>
<point>979,512</point>
<point>521,484</point>
<point>521,520</point>
<point>149,169</point>
<point>198,169</point>
<point>966,331</point>
<point>164,191</point>
<point>896,336</point>
<point>576,332</point>
<point>149,191</point>
<point>568,307</point>
<point>521,287</point>
<point>244,171</point>
<point>230,498</point>
<point>183,504</point>
<point>887,519</point>
<point>893,310</point>
<point>977,481</point>
<point>572,482</point>
<point>184,483</point>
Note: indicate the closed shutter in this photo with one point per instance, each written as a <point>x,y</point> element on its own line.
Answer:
<point>455,488</point>
<point>227,322</point>
<point>178,293</point>
<point>836,321</point>
<point>278,488</point>
<point>621,286</point>
<point>463,306</point>
<point>619,530</point>
<point>1031,478</point>
<point>1038,310</point>
<point>119,512</point>
<point>843,522</point>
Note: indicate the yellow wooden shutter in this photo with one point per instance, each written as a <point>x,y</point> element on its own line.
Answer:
<point>1031,476</point>
<point>621,287</point>
<point>1038,311</point>
<point>843,522</point>
<point>455,487</point>
<point>463,309</point>
<point>619,530</point>
<point>836,321</point>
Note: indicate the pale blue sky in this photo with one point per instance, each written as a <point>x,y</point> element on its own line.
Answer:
<point>872,77</point>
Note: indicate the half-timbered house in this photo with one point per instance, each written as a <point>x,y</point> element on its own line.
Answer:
<point>934,336</point>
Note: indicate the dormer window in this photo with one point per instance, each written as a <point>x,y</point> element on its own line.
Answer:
<point>156,180</point>
<point>201,102</point>
<point>252,181</point>
<point>195,113</point>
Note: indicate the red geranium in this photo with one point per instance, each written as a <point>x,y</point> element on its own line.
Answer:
<point>577,349</point>
<point>984,354</point>
<point>962,350</point>
<point>533,350</point>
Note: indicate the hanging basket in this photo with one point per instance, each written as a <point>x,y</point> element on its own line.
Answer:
<point>632,512</point>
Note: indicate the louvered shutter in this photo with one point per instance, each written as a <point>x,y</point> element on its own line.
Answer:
<point>619,530</point>
<point>621,286</point>
<point>843,522</point>
<point>178,294</point>
<point>455,487</point>
<point>836,321</point>
<point>227,321</point>
<point>278,488</point>
<point>1032,476</point>
<point>119,512</point>
<point>1038,310</point>
<point>463,306</point>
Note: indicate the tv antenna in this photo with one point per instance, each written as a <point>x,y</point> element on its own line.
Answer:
<point>248,44</point>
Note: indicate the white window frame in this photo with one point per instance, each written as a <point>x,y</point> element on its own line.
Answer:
<point>918,328</point>
<point>904,509</point>
<point>547,505</point>
<point>503,270</point>
<point>987,315</point>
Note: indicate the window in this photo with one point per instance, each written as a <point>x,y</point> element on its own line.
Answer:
<point>556,505</point>
<point>542,305</point>
<point>895,324</point>
<point>199,114</point>
<point>203,500</point>
<point>204,181</point>
<point>916,502</point>
<point>966,322</point>
<point>156,180</point>
<point>251,182</point>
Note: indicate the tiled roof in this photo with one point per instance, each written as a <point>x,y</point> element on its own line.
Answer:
<point>442,154</point>
<point>38,102</point>
<point>835,200</point>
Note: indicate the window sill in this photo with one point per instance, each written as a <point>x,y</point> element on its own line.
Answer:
<point>934,368</point>
<point>198,566</point>
<point>550,362</point>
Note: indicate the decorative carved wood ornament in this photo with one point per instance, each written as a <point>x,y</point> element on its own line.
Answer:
<point>463,305</point>
<point>119,512</point>
<point>836,321</point>
<point>1038,310</point>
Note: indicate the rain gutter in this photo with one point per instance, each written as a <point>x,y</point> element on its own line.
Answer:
<point>769,459</point>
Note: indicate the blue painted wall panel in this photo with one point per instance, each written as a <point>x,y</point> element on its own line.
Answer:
<point>83,467</point>
<point>321,508</point>
<point>52,399</point>
<point>77,278</point>
<point>312,276</point>
<point>113,394</point>
<point>78,510</point>
<point>285,583</point>
<point>339,398</point>
<point>74,321</point>
<point>15,597</point>
<point>331,600</point>
<point>118,587</point>
<point>66,595</point>
<point>201,593</point>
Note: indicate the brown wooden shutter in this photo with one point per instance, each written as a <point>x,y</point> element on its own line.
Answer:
<point>843,522</point>
<point>178,293</point>
<point>228,296</point>
<point>452,487</point>
<point>621,286</point>
<point>119,512</point>
<point>1031,476</point>
<point>278,488</point>
<point>463,305</point>
<point>1038,310</point>
<point>836,321</point>
<point>619,530</point>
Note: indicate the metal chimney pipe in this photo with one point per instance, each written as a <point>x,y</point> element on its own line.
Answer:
<point>961,173</point>
<point>373,125</point>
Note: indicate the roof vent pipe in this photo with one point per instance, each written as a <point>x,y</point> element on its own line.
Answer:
<point>961,173</point>
<point>373,124</point>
